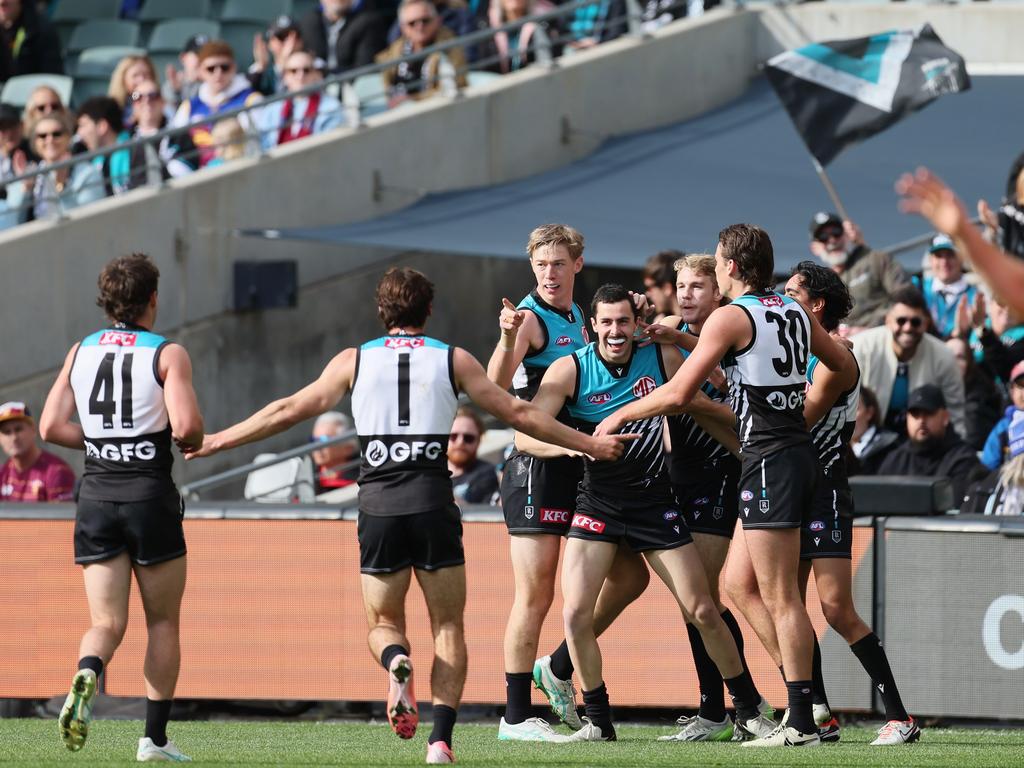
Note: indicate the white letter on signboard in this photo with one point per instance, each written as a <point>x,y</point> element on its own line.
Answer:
<point>990,634</point>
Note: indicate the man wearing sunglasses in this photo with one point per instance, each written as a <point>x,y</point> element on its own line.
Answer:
<point>872,277</point>
<point>421,28</point>
<point>900,356</point>
<point>474,481</point>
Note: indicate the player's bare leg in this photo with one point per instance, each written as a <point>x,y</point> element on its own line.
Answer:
<point>741,586</point>
<point>384,602</point>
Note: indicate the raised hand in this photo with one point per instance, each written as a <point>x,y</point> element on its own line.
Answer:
<point>208,448</point>
<point>926,194</point>
<point>510,318</point>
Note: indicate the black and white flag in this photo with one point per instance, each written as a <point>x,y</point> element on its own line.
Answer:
<point>841,92</point>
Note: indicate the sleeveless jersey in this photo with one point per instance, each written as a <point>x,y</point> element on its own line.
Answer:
<point>767,378</point>
<point>403,401</point>
<point>601,389</point>
<point>120,401</point>
<point>564,333</point>
<point>834,430</point>
<point>691,445</point>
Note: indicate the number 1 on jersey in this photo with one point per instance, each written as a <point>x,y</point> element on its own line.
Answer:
<point>403,389</point>
<point>101,399</point>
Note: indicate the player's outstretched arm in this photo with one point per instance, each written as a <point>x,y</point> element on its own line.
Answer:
<point>828,386</point>
<point>311,400</point>
<point>519,332</point>
<point>525,417</point>
<point>555,388</point>
<point>55,425</point>
<point>180,398</point>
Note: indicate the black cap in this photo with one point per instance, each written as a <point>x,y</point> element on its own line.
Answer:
<point>9,115</point>
<point>821,218</point>
<point>927,397</point>
<point>194,43</point>
<point>282,25</point>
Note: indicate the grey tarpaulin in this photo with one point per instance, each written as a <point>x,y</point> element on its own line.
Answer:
<point>675,187</point>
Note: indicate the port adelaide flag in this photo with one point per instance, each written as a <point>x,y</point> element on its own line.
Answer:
<point>842,92</point>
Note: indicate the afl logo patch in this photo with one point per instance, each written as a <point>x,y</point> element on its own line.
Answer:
<point>817,525</point>
<point>376,453</point>
<point>599,399</point>
<point>747,495</point>
<point>643,386</point>
<point>563,341</point>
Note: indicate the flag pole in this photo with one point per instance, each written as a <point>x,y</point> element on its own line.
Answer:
<point>840,208</point>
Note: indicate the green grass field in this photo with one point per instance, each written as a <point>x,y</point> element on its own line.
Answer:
<point>112,742</point>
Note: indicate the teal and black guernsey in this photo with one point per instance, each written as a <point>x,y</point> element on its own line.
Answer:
<point>601,389</point>
<point>564,333</point>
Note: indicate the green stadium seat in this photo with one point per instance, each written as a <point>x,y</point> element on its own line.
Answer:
<point>170,36</point>
<point>255,10</point>
<point>69,13</point>
<point>239,35</point>
<point>17,89</point>
<point>302,7</point>
<point>102,60</point>
<point>161,10</point>
<point>99,32</point>
<point>87,87</point>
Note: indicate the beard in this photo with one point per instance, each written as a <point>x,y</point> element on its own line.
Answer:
<point>460,457</point>
<point>836,258</point>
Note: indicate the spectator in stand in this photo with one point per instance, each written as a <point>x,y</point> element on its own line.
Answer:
<point>455,15</point>
<point>421,28</point>
<point>898,357</point>
<point>336,465</point>
<point>1002,492</point>
<point>299,116</point>
<point>998,344</point>
<point>474,481</point>
<point>129,73</point>
<point>343,33</point>
<point>230,142</point>
<point>933,448</point>
<point>30,473</point>
<point>660,283</point>
<point>59,190</point>
<point>181,85</point>
<point>983,402</point>
<point>99,127</point>
<point>996,445</point>
<point>596,23</point>
<point>29,44</point>
<point>871,442</point>
<point>173,157</point>
<point>1005,228</point>
<point>271,52</point>
<point>871,276</point>
<point>12,141</point>
<point>222,89</point>
<point>42,101</point>
<point>946,290</point>
<point>510,51</point>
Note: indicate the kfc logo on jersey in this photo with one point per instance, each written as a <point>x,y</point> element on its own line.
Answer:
<point>403,342</point>
<point>377,452</point>
<point>120,338</point>
<point>563,341</point>
<point>643,386</point>
<point>587,524</point>
<point>817,525</point>
<point>599,399</point>
<point>554,515</point>
<point>771,301</point>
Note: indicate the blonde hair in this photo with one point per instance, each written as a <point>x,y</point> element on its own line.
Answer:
<point>556,234</point>
<point>1011,474</point>
<point>229,137</point>
<point>699,263</point>
<point>28,118</point>
<point>117,90</point>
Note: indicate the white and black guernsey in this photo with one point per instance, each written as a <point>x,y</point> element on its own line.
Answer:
<point>120,399</point>
<point>767,378</point>
<point>601,389</point>
<point>692,447</point>
<point>404,400</point>
<point>834,430</point>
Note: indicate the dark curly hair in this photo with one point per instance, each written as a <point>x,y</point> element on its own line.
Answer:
<point>126,285</point>
<point>404,296</point>
<point>820,282</point>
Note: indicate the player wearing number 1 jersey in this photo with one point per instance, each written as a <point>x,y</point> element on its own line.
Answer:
<point>405,389</point>
<point>132,390</point>
<point>764,341</point>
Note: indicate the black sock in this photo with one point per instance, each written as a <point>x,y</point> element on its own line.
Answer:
<point>444,723</point>
<point>871,654</point>
<point>817,678</point>
<point>712,699</point>
<point>599,710</point>
<point>744,695</point>
<point>561,662</point>
<point>517,696</point>
<point>95,663</point>
<point>389,653</point>
<point>157,715</point>
<point>800,698</point>
<point>737,635</point>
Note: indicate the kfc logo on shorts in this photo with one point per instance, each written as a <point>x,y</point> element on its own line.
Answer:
<point>554,515</point>
<point>643,386</point>
<point>747,496</point>
<point>817,525</point>
<point>671,515</point>
<point>587,524</point>
<point>600,398</point>
<point>771,301</point>
<point>563,341</point>
<point>403,342</point>
<point>120,338</point>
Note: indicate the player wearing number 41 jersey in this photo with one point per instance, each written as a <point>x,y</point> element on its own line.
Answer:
<point>132,390</point>
<point>764,341</point>
<point>404,389</point>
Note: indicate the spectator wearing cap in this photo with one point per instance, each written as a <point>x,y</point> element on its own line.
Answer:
<point>474,481</point>
<point>983,401</point>
<point>100,127</point>
<point>421,28</point>
<point>299,116</point>
<point>898,357</point>
<point>172,157</point>
<point>30,473</point>
<point>270,51</point>
<point>182,84</point>
<point>223,89</point>
<point>1002,492</point>
<point>933,449</point>
<point>996,446</point>
<point>336,464</point>
<point>872,277</point>
<point>29,44</point>
<point>946,290</point>
<point>344,33</point>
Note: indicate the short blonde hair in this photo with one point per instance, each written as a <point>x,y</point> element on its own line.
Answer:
<point>556,234</point>
<point>117,89</point>
<point>698,263</point>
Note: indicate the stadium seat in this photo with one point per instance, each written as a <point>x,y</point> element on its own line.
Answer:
<point>239,35</point>
<point>479,78</point>
<point>156,11</point>
<point>289,480</point>
<point>102,60</point>
<point>99,32</point>
<point>68,13</point>
<point>17,89</point>
<point>170,36</point>
<point>263,11</point>
<point>87,87</point>
<point>301,7</point>
<point>370,91</point>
